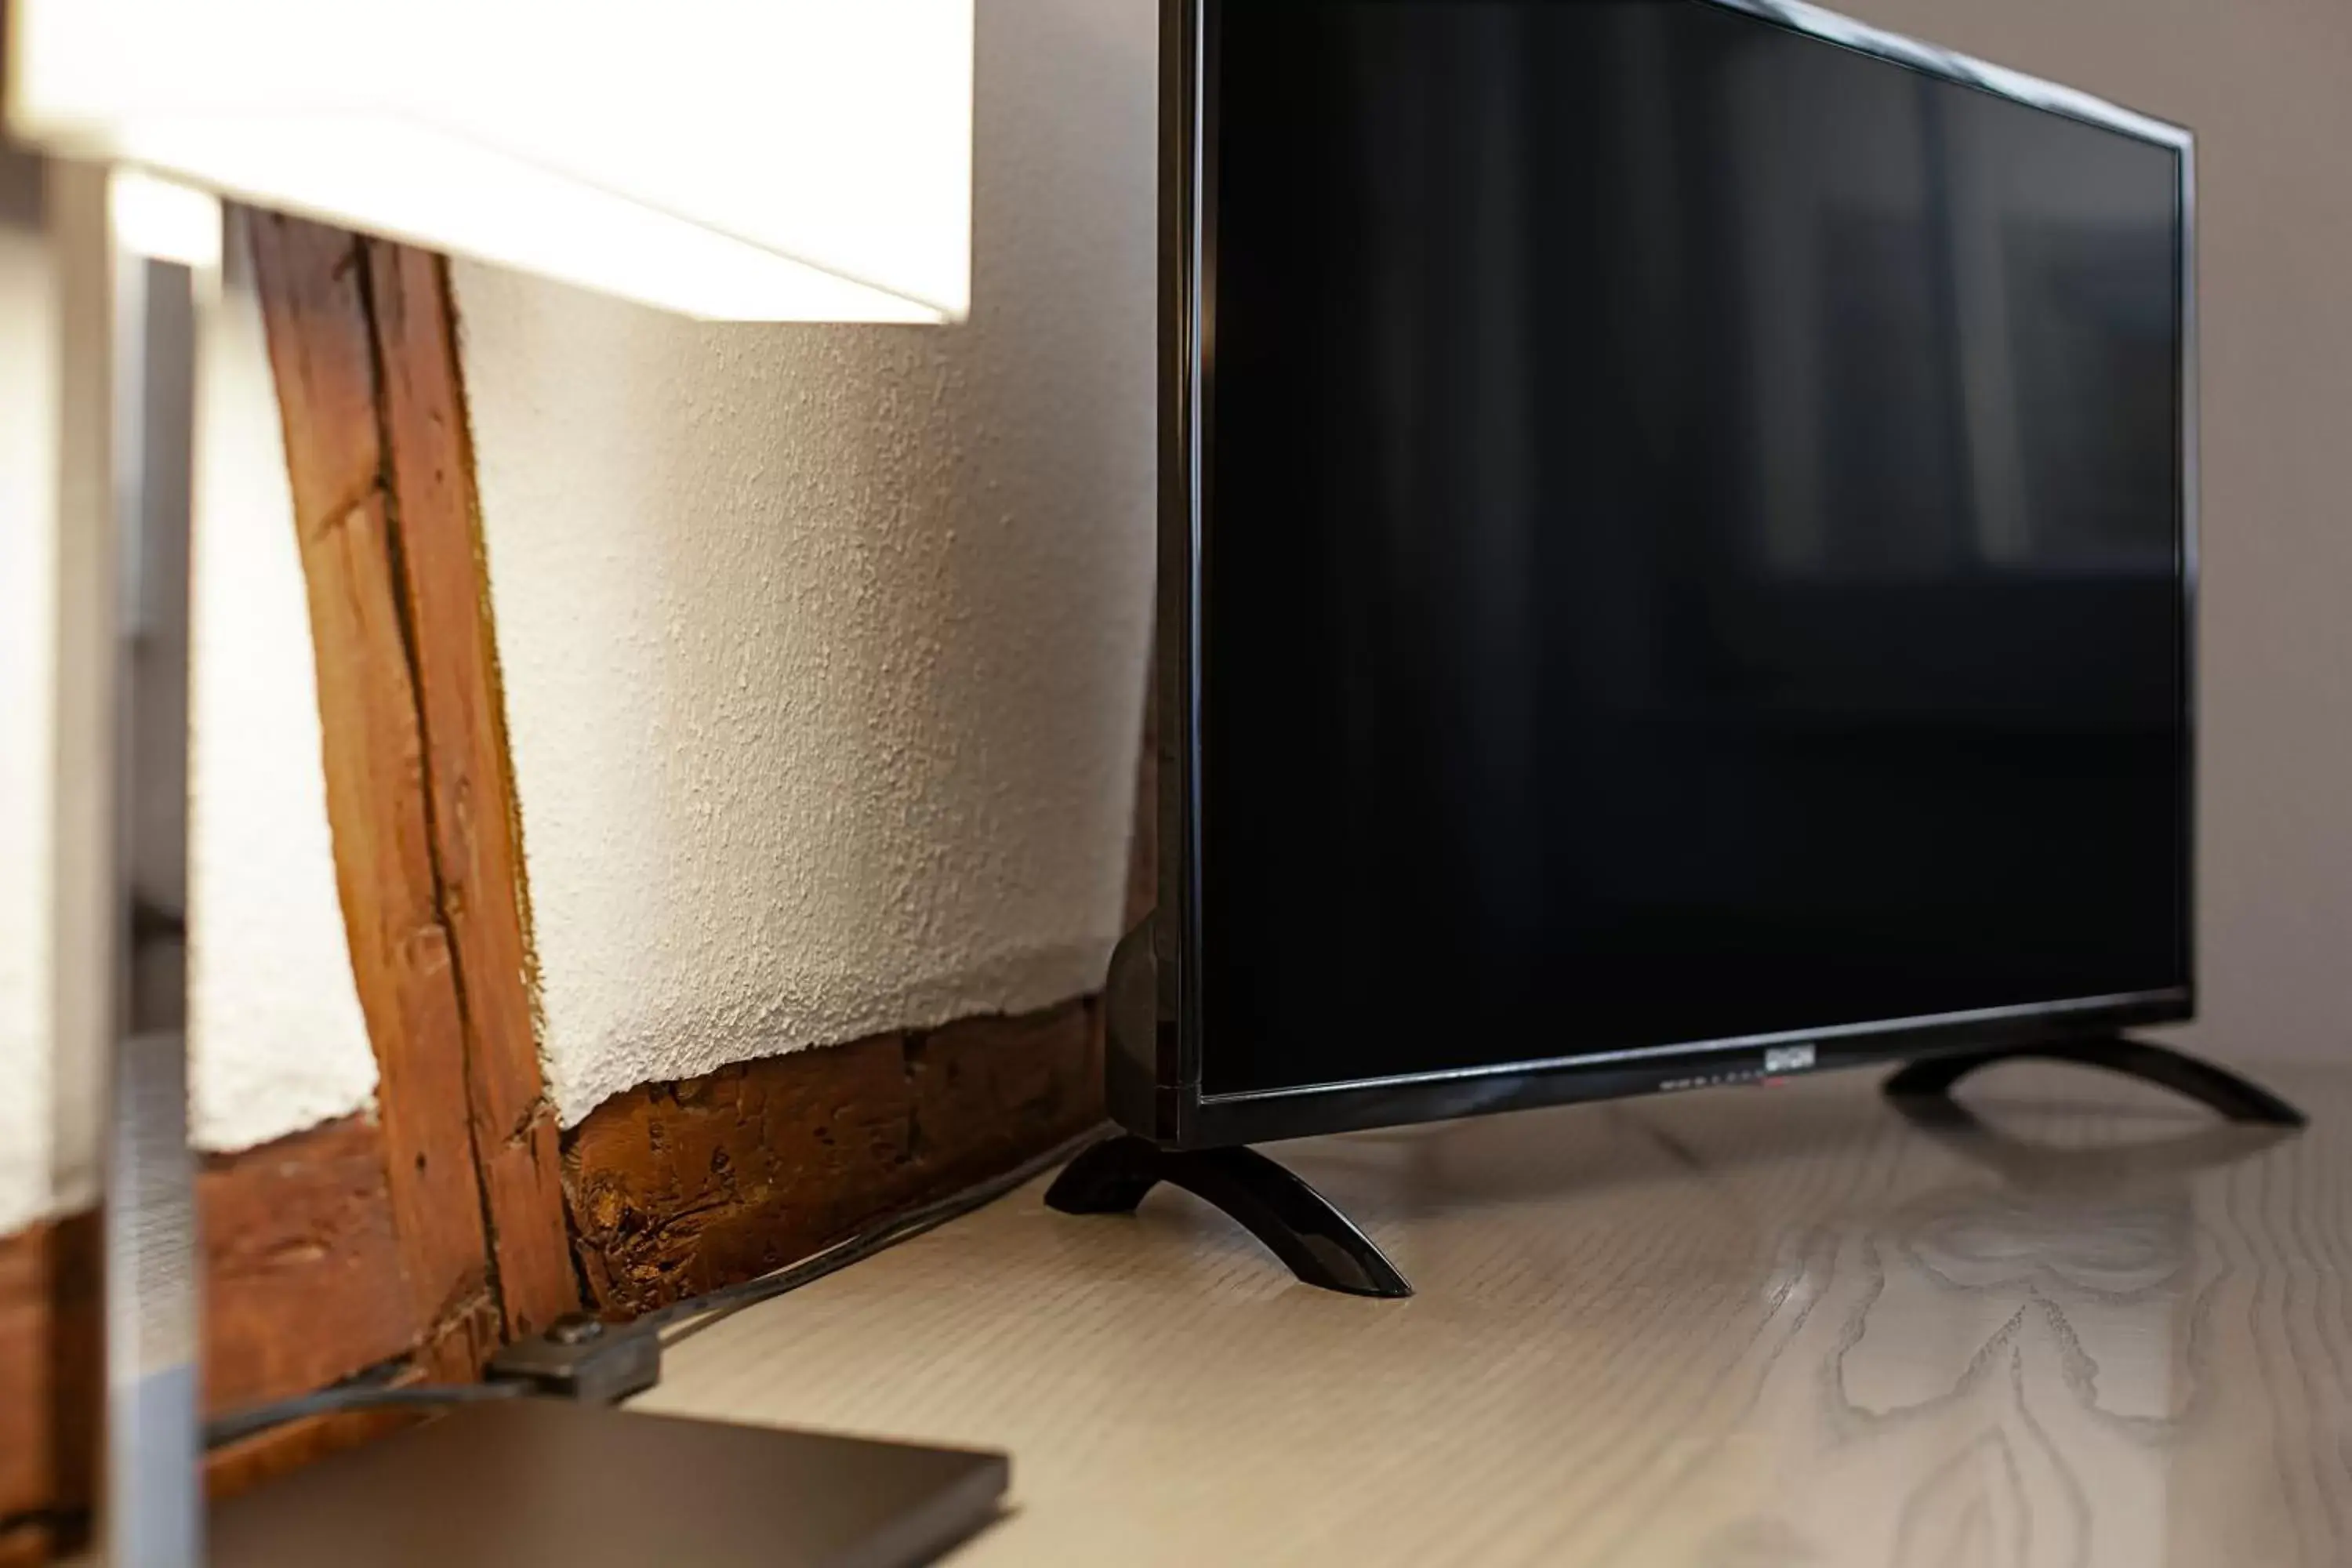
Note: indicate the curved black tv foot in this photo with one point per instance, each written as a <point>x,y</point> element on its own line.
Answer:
<point>1931,1078</point>
<point>1321,1245</point>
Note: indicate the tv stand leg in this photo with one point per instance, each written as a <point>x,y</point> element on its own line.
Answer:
<point>1932,1078</point>
<point>1299,1224</point>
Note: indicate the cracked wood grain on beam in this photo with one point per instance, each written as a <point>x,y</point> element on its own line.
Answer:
<point>477,831</point>
<point>677,1189</point>
<point>418,790</point>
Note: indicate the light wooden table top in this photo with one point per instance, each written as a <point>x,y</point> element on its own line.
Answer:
<point>1744,1328</point>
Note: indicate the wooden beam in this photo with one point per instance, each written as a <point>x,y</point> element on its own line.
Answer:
<point>303,1287</point>
<point>27,1542</point>
<point>477,828</point>
<point>29,1450</point>
<point>242,1466</point>
<point>677,1189</point>
<point>302,1268</point>
<point>427,859</point>
<point>314,304</point>
<point>51,1384</point>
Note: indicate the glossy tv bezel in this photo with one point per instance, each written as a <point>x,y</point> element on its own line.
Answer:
<point>1156,1017</point>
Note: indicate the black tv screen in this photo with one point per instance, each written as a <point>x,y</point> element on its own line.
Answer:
<point>1683,542</point>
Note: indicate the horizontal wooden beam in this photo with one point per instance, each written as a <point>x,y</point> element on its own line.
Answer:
<point>677,1189</point>
<point>29,1357</point>
<point>302,1284</point>
<point>241,1465</point>
<point>303,1287</point>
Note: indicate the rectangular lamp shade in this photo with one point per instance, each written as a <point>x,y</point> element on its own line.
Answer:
<point>736,160</point>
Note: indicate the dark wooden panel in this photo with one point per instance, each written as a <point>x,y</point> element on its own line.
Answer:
<point>680,1188</point>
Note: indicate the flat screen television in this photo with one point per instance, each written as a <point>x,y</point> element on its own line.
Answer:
<point>1677,545</point>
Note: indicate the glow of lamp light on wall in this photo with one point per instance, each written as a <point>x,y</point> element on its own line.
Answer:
<point>741,160</point>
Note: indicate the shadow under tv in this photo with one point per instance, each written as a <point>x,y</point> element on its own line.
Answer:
<point>1678,562</point>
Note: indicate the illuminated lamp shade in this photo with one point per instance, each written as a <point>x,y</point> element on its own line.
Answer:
<point>736,160</point>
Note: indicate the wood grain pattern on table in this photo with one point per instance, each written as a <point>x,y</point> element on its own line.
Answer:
<point>1746,1328</point>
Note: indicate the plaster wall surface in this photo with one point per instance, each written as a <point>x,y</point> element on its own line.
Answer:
<point>28,630</point>
<point>824,646</point>
<point>278,1042</point>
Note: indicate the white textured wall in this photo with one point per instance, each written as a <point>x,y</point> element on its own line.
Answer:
<point>27,628</point>
<point>277,1040</point>
<point>824,645</point>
